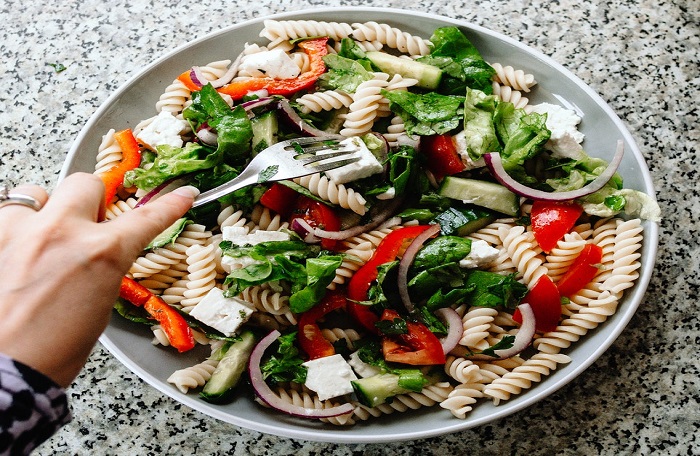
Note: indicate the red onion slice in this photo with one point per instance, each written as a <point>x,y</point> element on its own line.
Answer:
<point>160,190</point>
<point>258,102</point>
<point>407,260</point>
<point>305,230</point>
<point>495,165</point>
<point>197,76</point>
<point>208,137</point>
<point>296,122</point>
<point>522,339</point>
<point>377,219</point>
<point>263,391</point>
<point>454,328</point>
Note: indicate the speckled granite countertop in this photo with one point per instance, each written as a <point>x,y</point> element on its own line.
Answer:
<point>641,397</point>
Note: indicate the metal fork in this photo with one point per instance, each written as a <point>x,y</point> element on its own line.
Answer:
<point>284,160</point>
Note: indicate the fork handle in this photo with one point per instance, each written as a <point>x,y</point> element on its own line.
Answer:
<point>242,180</point>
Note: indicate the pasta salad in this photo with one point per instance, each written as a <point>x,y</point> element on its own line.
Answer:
<point>470,246</point>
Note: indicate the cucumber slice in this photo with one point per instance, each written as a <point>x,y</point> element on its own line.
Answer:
<point>225,377</point>
<point>265,127</point>
<point>169,235</point>
<point>375,390</point>
<point>481,193</point>
<point>428,76</point>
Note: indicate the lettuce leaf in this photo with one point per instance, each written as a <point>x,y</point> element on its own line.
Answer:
<point>343,74</point>
<point>426,114</point>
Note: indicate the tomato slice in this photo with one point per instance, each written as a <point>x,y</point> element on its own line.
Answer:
<point>280,199</point>
<point>582,271</point>
<point>310,337</point>
<point>419,347</point>
<point>546,305</point>
<point>318,215</point>
<point>441,152</point>
<point>551,220</point>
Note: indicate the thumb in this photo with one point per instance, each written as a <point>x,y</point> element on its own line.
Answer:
<point>140,226</point>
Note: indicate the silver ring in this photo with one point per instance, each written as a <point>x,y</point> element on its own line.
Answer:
<point>7,198</point>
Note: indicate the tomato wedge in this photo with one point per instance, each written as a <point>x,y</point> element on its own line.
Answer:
<point>359,285</point>
<point>418,347</point>
<point>546,304</point>
<point>310,337</point>
<point>318,215</point>
<point>582,271</point>
<point>442,157</point>
<point>280,199</point>
<point>551,220</point>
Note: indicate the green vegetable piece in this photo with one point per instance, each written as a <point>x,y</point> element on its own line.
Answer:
<point>343,74</point>
<point>221,387</point>
<point>286,364</point>
<point>428,76</point>
<point>375,390</point>
<point>320,272</point>
<point>426,114</point>
<point>481,193</point>
<point>169,235</point>
<point>443,249</point>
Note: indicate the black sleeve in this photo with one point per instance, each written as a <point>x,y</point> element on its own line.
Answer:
<point>32,407</point>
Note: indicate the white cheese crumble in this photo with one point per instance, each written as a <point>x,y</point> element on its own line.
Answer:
<point>565,140</point>
<point>366,166</point>
<point>387,195</point>
<point>275,64</point>
<point>481,254</point>
<point>238,235</point>
<point>363,369</point>
<point>329,377</point>
<point>165,129</point>
<point>461,145</point>
<point>222,313</point>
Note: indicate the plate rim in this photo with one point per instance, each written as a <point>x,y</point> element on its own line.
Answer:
<point>622,316</point>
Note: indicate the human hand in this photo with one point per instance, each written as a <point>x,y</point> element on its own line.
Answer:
<point>60,269</point>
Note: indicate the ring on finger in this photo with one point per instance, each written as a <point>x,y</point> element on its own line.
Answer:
<point>7,198</point>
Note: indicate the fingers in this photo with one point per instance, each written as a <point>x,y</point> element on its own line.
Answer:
<point>138,227</point>
<point>80,194</point>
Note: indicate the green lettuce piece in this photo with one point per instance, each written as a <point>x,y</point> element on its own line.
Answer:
<point>426,114</point>
<point>320,272</point>
<point>479,127</point>
<point>494,290</point>
<point>172,162</point>
<point>285,365</point>
<point>609,202</point>
<point>443,249</point>
<point>461,62</point>
<point>343,74</point>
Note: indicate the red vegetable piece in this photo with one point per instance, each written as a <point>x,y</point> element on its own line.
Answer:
<point>551,220</point>
<point>280,199</point>
<point>582,271</point>
<point>134,292</point>
<point>310,336</point>
<point>546,305</point>
<point>442,157</point>
<point>315,49</point>
<point>131,158</point>
<point>318,215</point>
<point>359,285</point>
<point>419,347</point>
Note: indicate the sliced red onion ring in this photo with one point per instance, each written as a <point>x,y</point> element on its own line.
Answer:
<point>166,187</point>
<point>263,391</point>
<point>295,121</point>
<point>305,230</point>
<point>407,260</point>
<point>495,165</point>
<point>377,219</point>
<point>522,339</point>
<point>454,328</point>
<point>197,76</point>
<point>208,137</point>
<point>258,102</point>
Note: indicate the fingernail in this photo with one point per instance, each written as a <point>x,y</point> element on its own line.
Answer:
<point>188,191</point>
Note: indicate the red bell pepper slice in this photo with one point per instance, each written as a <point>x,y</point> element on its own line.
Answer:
<point>582,271</point>
<point>318,215</point>
<point>545,301</point>
<point>174,325</point>
<point>418,347</point>
<point>359,284</point>
<point>131,158</point>
<point>314,48</point>
<point>280,199</point>
<point>310,337</point>
<point>551,220</point>
<point>442,157</point>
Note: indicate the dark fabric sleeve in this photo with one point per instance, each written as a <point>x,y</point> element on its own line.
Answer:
<point>32,407</point>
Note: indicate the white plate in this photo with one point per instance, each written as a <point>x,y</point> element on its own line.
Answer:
<point>135,101</point>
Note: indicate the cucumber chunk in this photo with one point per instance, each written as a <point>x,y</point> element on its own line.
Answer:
<point>227,374</point>
<point>375,390</point>
<point>265,127</point>
<point>481,193</point>
<point>428,76</point>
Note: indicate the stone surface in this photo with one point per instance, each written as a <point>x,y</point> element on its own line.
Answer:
<point>640,397</point>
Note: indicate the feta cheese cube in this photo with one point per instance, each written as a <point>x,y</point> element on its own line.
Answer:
<point>229,263</point>
<point>461,145</point>
<point>363,369</point>
<point>222,313</point>
<point>239,235</point>
<point>329,377</point>
<point>366,166</point>
<point>565,140</point>
<point>275,64</point>
<point>387,195</point>
<point>165,129</point>
<point>481,254</point>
